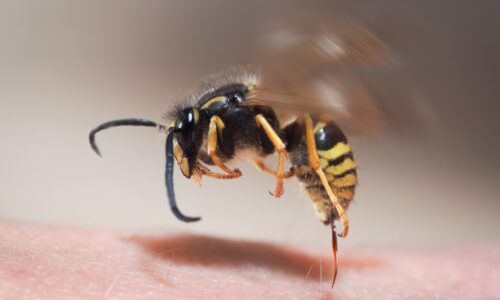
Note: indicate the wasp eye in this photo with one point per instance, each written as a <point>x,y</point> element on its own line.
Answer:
<point>184,128</point>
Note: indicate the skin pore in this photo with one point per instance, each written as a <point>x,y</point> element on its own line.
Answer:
<point>48,262</point>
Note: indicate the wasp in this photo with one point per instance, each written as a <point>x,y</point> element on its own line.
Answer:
<point>291,107</point>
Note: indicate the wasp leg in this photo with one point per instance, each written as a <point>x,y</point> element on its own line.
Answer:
<point>202,170</point>
<point>261,166</point>
<point>315,165</point>
<point>205,171</point>
<point>280,146</point>
<point>215,128</point>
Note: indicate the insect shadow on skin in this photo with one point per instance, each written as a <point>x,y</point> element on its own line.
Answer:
<point>187,249</point>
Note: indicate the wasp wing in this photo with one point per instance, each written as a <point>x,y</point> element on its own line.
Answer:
<point>339,68</point>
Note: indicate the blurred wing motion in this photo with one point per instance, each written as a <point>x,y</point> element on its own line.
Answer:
<point>342,69</point>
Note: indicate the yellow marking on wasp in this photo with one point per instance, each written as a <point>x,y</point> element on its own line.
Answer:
<point>323,163</point>
<point>347,180</point>
<point>181,160</point>
<point>335,152</point>
<point>184,167</point>
<point>347,165</point>
<point>196,115</point>
<point>178,153</point>
<point>212,101</point>
<point>318,126</point>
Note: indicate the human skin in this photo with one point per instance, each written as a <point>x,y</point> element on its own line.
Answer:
<point>46,262</point>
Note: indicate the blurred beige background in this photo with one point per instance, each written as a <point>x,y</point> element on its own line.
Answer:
<point>66,66</point>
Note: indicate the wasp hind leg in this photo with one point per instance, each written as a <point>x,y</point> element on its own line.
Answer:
<point>280,147</point>
<point>315,165</point>
<point>214,131</point>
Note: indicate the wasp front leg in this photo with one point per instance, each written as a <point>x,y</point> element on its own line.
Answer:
<point>202,170</point>
<point>214,131</point>
<point>280,147</point>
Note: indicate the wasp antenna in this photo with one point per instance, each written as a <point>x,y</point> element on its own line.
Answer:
<point>169,180</point>
<point>334,249</point>
<point>116,123</point>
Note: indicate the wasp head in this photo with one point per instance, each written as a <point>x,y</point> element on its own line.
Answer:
<point>188,134</point>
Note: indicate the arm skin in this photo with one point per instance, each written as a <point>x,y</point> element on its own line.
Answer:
<point>60,263</point>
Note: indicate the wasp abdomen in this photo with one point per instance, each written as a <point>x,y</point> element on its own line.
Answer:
<point>336,160</point>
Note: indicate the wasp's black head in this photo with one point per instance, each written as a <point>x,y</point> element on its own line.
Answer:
<point>188,133</point>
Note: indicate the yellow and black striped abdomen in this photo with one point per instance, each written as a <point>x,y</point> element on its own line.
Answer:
<point>336,159</point>
<point>338,164</point>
